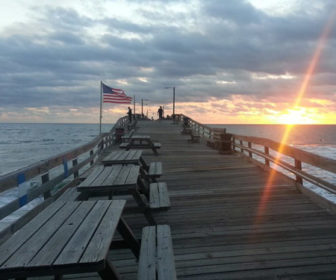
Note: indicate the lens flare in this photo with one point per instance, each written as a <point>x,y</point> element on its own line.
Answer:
<point>303,88</point>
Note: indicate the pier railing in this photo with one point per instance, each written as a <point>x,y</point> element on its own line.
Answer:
<point>273,152</point>
<point>270,154</point>
<point>71,163</point>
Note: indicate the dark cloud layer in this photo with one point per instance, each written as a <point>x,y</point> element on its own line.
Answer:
<point>229,41</point>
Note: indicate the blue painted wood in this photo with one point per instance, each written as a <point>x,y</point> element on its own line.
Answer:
<point>66,169</point>
<point>20,180</point>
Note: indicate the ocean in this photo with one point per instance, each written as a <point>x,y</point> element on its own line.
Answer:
<point>22,144</point>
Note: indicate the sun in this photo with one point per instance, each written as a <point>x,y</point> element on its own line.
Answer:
<point>297,116</point>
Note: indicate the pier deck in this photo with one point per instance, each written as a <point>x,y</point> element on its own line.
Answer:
<point>223,224</point>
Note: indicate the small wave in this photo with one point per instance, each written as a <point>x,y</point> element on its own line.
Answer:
<point>26,141</point>
<point>48,140</point>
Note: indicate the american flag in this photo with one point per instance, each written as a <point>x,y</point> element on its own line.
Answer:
<point>115,95</point>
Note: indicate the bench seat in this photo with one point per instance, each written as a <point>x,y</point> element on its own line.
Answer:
<point>124,145</point>
<point>156,259</point>
<point>194,138</point>
<point>155,170</point>
<point>127,137</point>
<point>71,194</point>
<point>159,196</point>
<point>186,130</point>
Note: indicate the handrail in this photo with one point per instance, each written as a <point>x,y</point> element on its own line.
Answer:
<point>298,156</point>
<point>41,168</point>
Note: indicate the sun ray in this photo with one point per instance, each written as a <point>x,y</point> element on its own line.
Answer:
<point>303,88</point>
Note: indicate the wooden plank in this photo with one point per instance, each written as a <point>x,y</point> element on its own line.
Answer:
<point>50,251</point>
<point>92,176</point>
<point>165,256</point>
<point>121,178</point>
<point>99,245</point>
<point>31,247</point>
<point>154,199</point>
<point>163,195</point>
<point>147,260</point>
<point>9,247</point>
<point>74,249</point>
<point>71,194</point>
<point>112,176</point>
<point>133,175</point>
<point>100,179</point>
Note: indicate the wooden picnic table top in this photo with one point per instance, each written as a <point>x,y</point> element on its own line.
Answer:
<point>140,137</point>
<point>109,178</point>
<point>66,237</point>
<point>123,157</point>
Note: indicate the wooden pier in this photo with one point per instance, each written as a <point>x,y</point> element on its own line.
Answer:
<point>225,224</point>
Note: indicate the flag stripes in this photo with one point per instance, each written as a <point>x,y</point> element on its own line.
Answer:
<point>115,95</point>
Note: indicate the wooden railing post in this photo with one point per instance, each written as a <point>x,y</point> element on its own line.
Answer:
<point>266,150</point>
<point>250,146</point>
<point>298,166</point>
<point>74,164</point>
<point>91,161</point>
<point>65,168</point>
<point>45,179</point>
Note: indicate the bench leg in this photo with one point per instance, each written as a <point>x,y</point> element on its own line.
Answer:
<point>109,272</point>
<point>144,164</point>
<point>129,237</point>
<point>155,151</point>
<point>143,206</point>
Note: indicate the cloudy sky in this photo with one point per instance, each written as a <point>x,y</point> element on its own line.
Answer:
<point>231,61</point>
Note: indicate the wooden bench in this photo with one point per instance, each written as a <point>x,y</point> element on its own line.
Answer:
<point>156,254</point>
<point>141,142</point>
<point>124,145</point>
<point>155,170</point>
<point>70,194</point>
<point>194,138</point>
<point>216,139</point>
<point>186,130</point>
<point>159,196</point>
<point>126,138</point>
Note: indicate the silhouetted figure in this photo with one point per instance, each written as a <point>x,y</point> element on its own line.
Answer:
<point>129,113</point>
<point>160,111</point>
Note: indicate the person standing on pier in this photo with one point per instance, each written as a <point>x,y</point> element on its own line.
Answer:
<point>129,113</point>
<point>160,111</point>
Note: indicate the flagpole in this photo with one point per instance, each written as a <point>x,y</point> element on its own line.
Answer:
<point>101,107</point>
<point>134,108</point>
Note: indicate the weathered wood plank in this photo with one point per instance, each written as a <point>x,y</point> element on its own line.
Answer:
<point>73,250</point>
<point>98,247</point>
<point>49,252</point>
<point>147,260</point>
<point>165,254</point>
<point>12,245</point>
<point>27,251</point>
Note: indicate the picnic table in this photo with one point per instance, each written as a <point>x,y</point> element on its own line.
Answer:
<point>141,142</point>
<point>149,172</point>
<point>117,179</point>
<point>67,238</point>
<point>124,157</point>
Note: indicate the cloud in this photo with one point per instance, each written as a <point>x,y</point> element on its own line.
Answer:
<point>206,49</point>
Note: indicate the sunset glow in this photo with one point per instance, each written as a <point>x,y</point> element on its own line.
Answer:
<point>295,114</point>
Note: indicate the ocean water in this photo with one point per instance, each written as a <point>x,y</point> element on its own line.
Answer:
<point>25,144</point>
